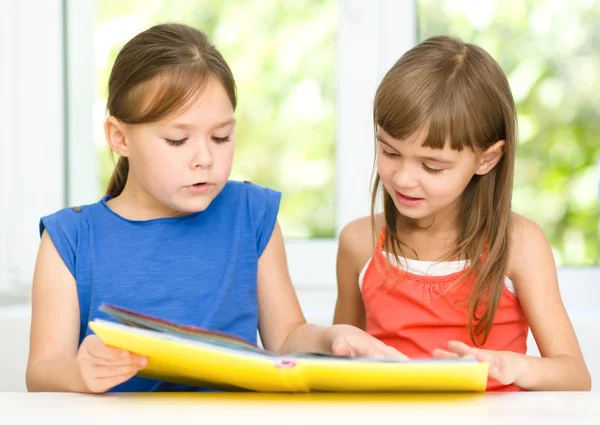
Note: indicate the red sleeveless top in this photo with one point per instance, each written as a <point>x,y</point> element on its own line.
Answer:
<point>416,314</point>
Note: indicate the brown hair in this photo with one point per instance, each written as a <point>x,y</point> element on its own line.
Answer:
<point>156,74</point>
<point>458,94</point>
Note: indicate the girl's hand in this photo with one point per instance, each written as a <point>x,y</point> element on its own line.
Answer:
<point>349,341</point>
<point>505,367</point>
<point>102,367</point>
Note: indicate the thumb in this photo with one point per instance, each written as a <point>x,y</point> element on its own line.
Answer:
<point>343,349</point>
<point>93,344</point>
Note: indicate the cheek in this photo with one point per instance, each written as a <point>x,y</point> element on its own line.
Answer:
<point>448,187</point>
<point>158,164</point>
<point>225,155</point>
<point>384,169</point>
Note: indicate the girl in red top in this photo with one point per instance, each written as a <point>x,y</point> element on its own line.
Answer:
<point>448,270</point>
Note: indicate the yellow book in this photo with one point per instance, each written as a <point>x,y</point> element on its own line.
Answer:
<point>207,359</point>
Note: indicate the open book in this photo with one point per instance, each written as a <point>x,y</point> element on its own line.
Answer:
<point>206,359</point>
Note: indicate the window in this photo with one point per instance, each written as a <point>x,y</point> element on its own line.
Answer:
<point>547,50</point>
<point>54,161</point>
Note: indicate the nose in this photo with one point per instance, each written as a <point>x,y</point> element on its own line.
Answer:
<point>202,155</point>
<point>404,177</point>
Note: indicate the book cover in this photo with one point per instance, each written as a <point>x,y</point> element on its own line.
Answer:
<point>208,359</point>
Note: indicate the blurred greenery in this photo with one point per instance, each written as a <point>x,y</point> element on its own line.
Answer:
<point>550,51</point>
<point>282,55</point>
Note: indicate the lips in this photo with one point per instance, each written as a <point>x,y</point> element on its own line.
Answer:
<point>407,200</point>
<point>200,187</point>
<point>410,198</point>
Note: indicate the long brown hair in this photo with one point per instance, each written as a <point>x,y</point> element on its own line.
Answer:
<point>457,93</point>
<point>156,74</point>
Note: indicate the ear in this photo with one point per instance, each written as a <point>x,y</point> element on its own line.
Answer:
<point>490,158</point>
<point>114,130</point>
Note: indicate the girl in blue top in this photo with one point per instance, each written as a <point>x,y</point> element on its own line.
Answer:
<point>173,237</point>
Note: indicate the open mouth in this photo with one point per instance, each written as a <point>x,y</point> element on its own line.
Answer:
<point>200,187</point>
<point>410,198</point>
<point>407,200</point>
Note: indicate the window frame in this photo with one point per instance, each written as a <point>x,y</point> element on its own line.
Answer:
<point>31,118</point>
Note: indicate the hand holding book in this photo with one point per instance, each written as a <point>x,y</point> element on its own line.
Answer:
<point>102,367</point>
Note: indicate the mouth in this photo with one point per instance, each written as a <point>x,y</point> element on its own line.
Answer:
<point>407,200</point>
<point>201,183</point>
<point>200,187</point>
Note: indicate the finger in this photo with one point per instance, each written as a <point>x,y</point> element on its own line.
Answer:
<point>443,354</point>
<point>112,371</point>
<point>105,384</point>
<point>393,353</point>
<point>385,350</point>
<point>343,349</point>
<point>96,347</point>
<point>131,360</point>
<point>485,357</point>
<point>361,348</point>
<point>461,348</point>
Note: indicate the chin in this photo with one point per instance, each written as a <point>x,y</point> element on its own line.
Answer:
<point>412,212</point>
<point>188,206</point>
<point>194,206</point>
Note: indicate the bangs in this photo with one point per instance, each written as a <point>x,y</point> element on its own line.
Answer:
<point>166,94</point>
<point>449,108</point>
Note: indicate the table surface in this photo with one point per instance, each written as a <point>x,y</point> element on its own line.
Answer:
<point>254,408</point>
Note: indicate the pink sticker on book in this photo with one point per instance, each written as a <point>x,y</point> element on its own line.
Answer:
<point>286,363</point>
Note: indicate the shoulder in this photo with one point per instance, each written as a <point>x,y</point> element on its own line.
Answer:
<point>528,246</point>
<point>260,205</point>
<point>358,239</point>
<point>68,219</point>
<point>67,229</point>
<point>253,194</point>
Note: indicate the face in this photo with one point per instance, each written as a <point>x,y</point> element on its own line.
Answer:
<point>425,182</point>
<point>183,162</point>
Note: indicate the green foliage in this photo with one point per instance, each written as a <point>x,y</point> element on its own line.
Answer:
<point>549,51</point>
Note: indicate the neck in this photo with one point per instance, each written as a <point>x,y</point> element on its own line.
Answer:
<point>443,223</point>
<point>136,203</point>
<point>430,238</point>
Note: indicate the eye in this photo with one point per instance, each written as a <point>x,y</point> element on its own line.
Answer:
<point>176,142</point>
<point>387,153</point>
<point>221,139</point>
<point>431,170</point>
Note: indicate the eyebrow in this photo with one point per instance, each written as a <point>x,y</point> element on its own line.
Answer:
<point>426,158</point>
<point>225,123</point>
<point>221,124</point>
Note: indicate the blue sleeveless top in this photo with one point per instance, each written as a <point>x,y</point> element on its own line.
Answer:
<point>199,269</point>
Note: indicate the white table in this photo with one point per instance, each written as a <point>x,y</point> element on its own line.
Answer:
<point>308,409</point>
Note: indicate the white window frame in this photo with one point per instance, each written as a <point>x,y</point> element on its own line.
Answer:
<point>31,149</point>
<point>371,37</point>
<point>37,110</point>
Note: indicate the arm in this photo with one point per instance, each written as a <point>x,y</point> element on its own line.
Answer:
<point>349,307</point>
<point>55,362</point>
<point>52,364</point>
<point>561,366</point>
<point>533,272</point>
<point>282,325</point>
